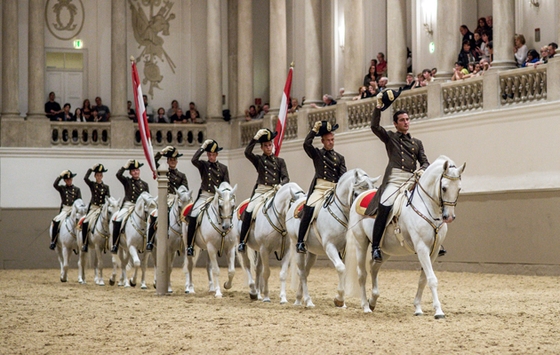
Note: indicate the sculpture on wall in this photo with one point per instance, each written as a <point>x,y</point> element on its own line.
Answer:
<point>64,19</point>
<point>147,34</point>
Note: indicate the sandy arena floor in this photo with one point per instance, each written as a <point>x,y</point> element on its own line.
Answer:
<point>485,314</point>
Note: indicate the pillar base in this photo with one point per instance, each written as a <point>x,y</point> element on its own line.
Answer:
<point>13,131</point>
<point>502,65</point>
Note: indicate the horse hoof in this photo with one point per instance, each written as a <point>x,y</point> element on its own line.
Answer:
<point>420,314</point>
<point>439,316</point>
<point>144,287</point>
<point>338,303</point>
<point>284,301</point>
<point>111,282</point>
<point>226,286</point>
<point>101,283</point>
<point>368,310</point>
<point>266,300</point>
<point>218,296</point>
<point>62,280</point>
<point>253,296</point>
<point>132,283</point>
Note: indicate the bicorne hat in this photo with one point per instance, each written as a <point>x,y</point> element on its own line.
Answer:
<point>326,127</point>
<point>388,97</point>
<point>213,147</point>
<point>134,164</point>
<point>171,152</point>
<point>268,136</point>
<point>100,169</point>
<point>67,174</point>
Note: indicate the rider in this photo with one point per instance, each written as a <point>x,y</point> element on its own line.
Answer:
<point>329,167</point>
<point>176,179</point>
<point>133,187</point>
<point>271,170</point>
<point>98,192</point>
<point>212,174</point>
<point>404,152</point>
<point>68,194</point>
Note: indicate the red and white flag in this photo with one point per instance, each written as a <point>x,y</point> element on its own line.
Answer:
<point>281,124</point>
<point>142,119</point>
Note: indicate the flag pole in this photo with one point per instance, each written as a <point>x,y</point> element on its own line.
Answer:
<point>283,112</point>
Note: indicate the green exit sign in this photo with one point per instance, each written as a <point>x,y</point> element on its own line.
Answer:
<point>78,43</point>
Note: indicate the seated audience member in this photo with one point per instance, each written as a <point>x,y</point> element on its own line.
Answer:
<point>381,68</point>
<point>410,81</point>
<point>52,108</point>
<point>533,57</point>
<point>173,109</point>
<point>373,89</point>
<point>94,115</point>
<point>362,93</point>
<point>520,50</point>
<point>382,84</point>
<point>251,113</point>
<point>477,43</point>
<point>491,50</point>
<point>103,112</point>
<point>149,109</point>
<point>66,115</point>
<point>264,111</point>
<point>328,100</point>
<point>193,114</point>
<point>179,117</point>
<point>552,47</point>
<point>340,93</point>
<point>474,71</point>
<point>467,55</point>
<point>484,66</point>
<point>459,71</point>
<point>78,116</point>
<point>370,76</point>
<point>161,117</point>
<point>131,112</point>
<point>428,77</point>
<point>434,72</point>
<point>294,105</point>
<point>419,81</point>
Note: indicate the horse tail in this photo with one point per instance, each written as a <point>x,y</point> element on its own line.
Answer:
<point>351,286</point>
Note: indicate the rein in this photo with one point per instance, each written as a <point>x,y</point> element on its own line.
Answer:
<point>216,227</point>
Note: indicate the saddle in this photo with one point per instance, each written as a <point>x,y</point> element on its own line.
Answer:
<point>80,222</point>
<point>299,210</point>
<point>363,201</point>
<point>242,207</point>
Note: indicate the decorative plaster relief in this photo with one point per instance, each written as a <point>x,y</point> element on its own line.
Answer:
<point>64,18</point>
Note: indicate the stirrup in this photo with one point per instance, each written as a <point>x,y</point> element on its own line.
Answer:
<point>376,254</point>
<point>301,248</point>
<point>241,247</point>
<point>150,246</point>
<point>85,248</point>
<point>190,251</point>
<point>114,249</point>
<point>52,246</point>
<point>442,251</point>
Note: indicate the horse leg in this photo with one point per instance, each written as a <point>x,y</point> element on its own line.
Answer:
<point>214,271</point>
<point>65,257</point>
<point>81,267</point>
<point>114,262</point>
<point>60,261</point>
<point>211,287</point>
<point>305,268</point>
<point>284,276</point>
<point>133,253</point>
<point>374,269</point>
<point>189,287</point>
<point>124,256</point>
<point>99,265</point>
<point>259,277</point>
<point>361,255</point>
<point>144,266</point>
<point>418,299</point>
<point>170,261</point>
<point>332,253</point>
<point>265,273</point>
<point>431,279</point>
<point>231,268</point>
<point>247,267</point>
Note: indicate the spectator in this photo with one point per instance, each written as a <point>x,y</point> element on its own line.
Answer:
<point>373,62</point>
<point>251,113</point>
<point>66,115</point>
<point>149,109</point>
<point>474,72</point>
<point>340,93</point>
<point>294,105</point>
<point>408,60</point>
<point>419,81</point>
<point>328,100</point>
<point>373,89</point>
<point>482,26</point>
<point>362,93</point>
<point>382,84</point>
<point>428,78</point>
<point>483,51</point>
<point>477,42</point>
<point>484,66</point>
<point>161,117</point>
<point>489,22</point>
<point>491,50</point>
<point>410,81</point>
<point>552,47</point>
<point>94,115</point>
<point>370,76</point>
<point>459,71</point>
<point>467,35</point>
<point>381,68</point>
<point>179,117</point>
<point>78,116</point>
<point>533,57</point>
<point>52,108</point>
<point>520,50</point>
<point>466,55</point>
<point>173,109</point>
<point>131,112</point>
<point>264,111</point>
<point>434,72</point>
<point>86,110</point>
<point>193,114</point>
<point>103,112</point>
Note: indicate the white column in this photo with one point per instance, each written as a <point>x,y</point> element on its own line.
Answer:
<point>36,54</point>
<point>119,61</point>
<point>278,52</point>
<point>396,43</point>
<point>448,38</point>
<point>313,62</point>
<point>10,61</point>
<point>244,56</point>
<point>503,13</point>
<point>214,62</point>
<point>353,47</point>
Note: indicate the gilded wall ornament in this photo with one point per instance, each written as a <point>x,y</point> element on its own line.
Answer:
<point>64,18</point>
<point>147,34</point>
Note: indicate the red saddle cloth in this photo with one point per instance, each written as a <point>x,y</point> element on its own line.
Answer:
<point>363,201</point>
<point>187,210</point>
<point>242,207</point>
<point>81,221</point>
<point>298,210</point>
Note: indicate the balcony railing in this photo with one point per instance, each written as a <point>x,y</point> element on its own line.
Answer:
<point>178,135</point>
<point>80,134</point>
<point>523,85</point>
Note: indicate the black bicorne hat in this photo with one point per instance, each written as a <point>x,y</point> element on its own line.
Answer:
<point>67,174</point>
<point>213,147</point>
<point>171,152</point>
<point>389,96</point>
<point>100,169</point>
<point>135,164</point>
<point>326,127</point>
<point>268,136</point>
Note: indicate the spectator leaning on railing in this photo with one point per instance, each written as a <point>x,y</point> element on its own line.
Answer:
<point>459,71</point>
<point>328,100</point>
<point>520,50</point>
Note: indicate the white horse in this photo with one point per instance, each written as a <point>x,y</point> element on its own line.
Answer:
<point>133,242</point>
<point>67,237</point>
<point>423,226</point>
<point>98,238</point>
<point>174,233</point>
<point>268,234</point>
<point>214,235</point>
<point>327,233</point>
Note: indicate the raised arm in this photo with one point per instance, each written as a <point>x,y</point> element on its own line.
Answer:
<point>86,178</point>
<point>376,127</point>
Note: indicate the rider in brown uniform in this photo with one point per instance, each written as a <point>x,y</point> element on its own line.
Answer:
<point>212,174</point>
<point>68,194</point>
<point>272,171</point>
<point>98,193</point>
<point>329,167</point>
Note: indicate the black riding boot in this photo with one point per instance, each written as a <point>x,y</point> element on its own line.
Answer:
<point>303,228</point>
<point>85,227</point>
<point>54,235</point>
<point>378,229</point>
<point>442,251</point>
<point>190,236</point>
<point>247,216</point>
<point>116,237</point>
<point>151,233</point>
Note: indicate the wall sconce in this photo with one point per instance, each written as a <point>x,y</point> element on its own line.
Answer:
<point>341,34</point>
<point>428,28</point>
<point>429,8</point>
<point>534,3</point>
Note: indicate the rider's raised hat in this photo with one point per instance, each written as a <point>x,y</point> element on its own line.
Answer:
<point>99,169</point>
<point>134,164</point>
<point>67,174</point>
<point>171,152</point>
<point>326,127</point>
<point>213,147</point>
<point>268,136</point>
<point>388,97</point>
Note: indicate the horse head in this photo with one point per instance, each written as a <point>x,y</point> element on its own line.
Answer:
<point>79,209</point>
<point>287,195</point>
<point>145,204</point>
<point>442,183</point>
<point>224,201</point>
<point>353,183</point>
<point>184,195</point>
<point>110,206</point>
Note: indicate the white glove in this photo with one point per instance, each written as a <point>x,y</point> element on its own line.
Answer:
<point>167,149</point>
<point>379,100</point>
<point>205,144</point>
<point>419,173</point>
<point>128,163</point>
<point>261,132</point>
<point>62,174</point>
<point>94,167</point>
<point>317,126</point>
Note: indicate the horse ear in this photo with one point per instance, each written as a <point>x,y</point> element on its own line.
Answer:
<point>462,168</point>
<point>446,165</point>
<point>375,179</point>
<point>233,190</point>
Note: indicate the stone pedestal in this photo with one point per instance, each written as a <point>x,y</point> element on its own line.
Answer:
<point>162,268</point>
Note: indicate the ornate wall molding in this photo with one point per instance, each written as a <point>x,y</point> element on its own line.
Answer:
<point>64,18</point>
